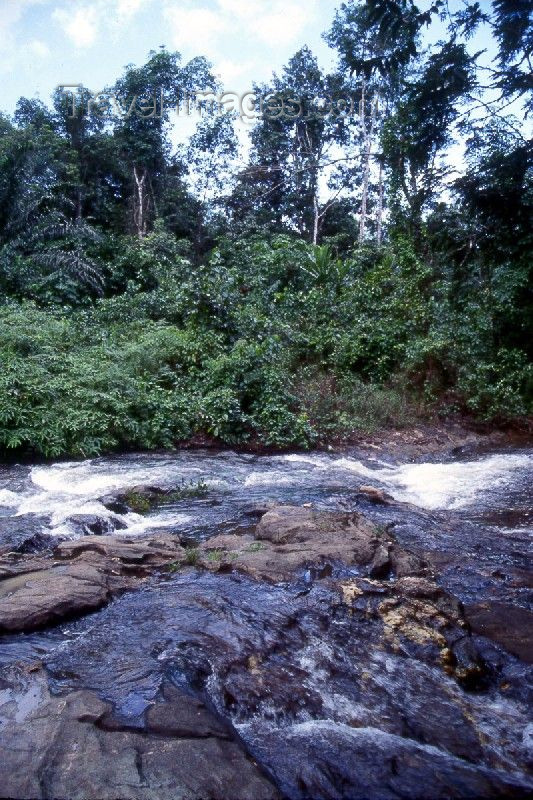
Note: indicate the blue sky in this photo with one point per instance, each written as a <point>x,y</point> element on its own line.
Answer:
<point>44,43</point>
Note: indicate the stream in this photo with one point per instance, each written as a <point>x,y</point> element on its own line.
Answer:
<point>312,693</point>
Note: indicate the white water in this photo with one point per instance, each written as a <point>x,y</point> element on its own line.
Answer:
<point>449,486</point>
<point>64,489</point>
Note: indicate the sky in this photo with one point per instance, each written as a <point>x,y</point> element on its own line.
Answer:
<point>44,43</point>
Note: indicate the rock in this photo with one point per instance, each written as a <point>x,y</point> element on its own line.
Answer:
<point>376,495</point>
<point>140,498</point>
<point>74,757</point>
<point>100,566</point>
<point>115,504</point>
<point>92,524</point>
<point>321,759</point>
<point>24,534</point>
<point>381,563</point>
<point>153,552</point>
<point>292,538</point>
<point>183,716</point>
<point>405,563</point>
<point>510,626</point>
<point>35,599</point>
<point>277,659</point>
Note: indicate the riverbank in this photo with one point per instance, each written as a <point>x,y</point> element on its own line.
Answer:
<point>423,437</point>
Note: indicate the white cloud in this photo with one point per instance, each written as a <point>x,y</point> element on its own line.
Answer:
<point>276,23</point>
<point>229,70</point>
<point>38,48</point>
<point>283,25</point>
<point>280,22</point>
<point>194,26</point>
<point>128,8</point>
<point>80,25</point>
<point>242,9</point>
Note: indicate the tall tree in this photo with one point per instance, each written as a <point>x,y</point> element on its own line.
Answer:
<point>294,157</point>
<point>146,96</point>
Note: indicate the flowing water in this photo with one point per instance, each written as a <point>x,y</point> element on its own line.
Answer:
<point>293,683</point>
<point>493,488</point>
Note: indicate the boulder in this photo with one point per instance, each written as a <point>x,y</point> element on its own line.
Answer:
<point>40,598</point>
<point>96,568</point>
<point>92,524</point>
<point>289,539</point>
<point>24,534</point>
<point>375,495</point>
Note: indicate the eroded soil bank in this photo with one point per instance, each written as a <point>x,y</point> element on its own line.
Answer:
<point>304,630</point>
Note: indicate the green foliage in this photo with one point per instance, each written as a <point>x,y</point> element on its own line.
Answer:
<point>192,556</point>
<point>307,351</point>
<point>499,389</point>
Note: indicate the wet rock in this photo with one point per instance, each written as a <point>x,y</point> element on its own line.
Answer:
<point>24,534</point>
<point>139,498</point>
<point>508,625</point>
<point>405,563</point>
<point>183,716</point>
<point>92,524</point>
<point>115,504</point>
<point>73,756</point>
<point>321,759</point>
<point>292,538</point>
<point>153,552</point>
<point>381,563</point>
<point>375,495</point>
<point>271,658</point>
<point>45,597</point>
<point>100,567</point>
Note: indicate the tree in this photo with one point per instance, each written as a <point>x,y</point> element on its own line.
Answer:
<point>295,149</point>
<point>368,53</point>
<point>416,135</point>
<point>146,95</point>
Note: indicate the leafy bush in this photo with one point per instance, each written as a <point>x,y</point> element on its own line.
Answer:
<point>271,341</point>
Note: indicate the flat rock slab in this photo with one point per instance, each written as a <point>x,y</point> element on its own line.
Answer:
<point>40,598</point>
<point>155,551</point>
<point>75,754</point>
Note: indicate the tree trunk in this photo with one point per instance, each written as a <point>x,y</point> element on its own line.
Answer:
<point>380,206</point>
<point>140,202</point>
<point>368,134</point>
<point>316,219</point>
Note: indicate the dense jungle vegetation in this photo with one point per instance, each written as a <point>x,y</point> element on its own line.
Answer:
<point>350,271</point>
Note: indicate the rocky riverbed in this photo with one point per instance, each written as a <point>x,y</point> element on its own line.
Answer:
<point>344,625</point>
